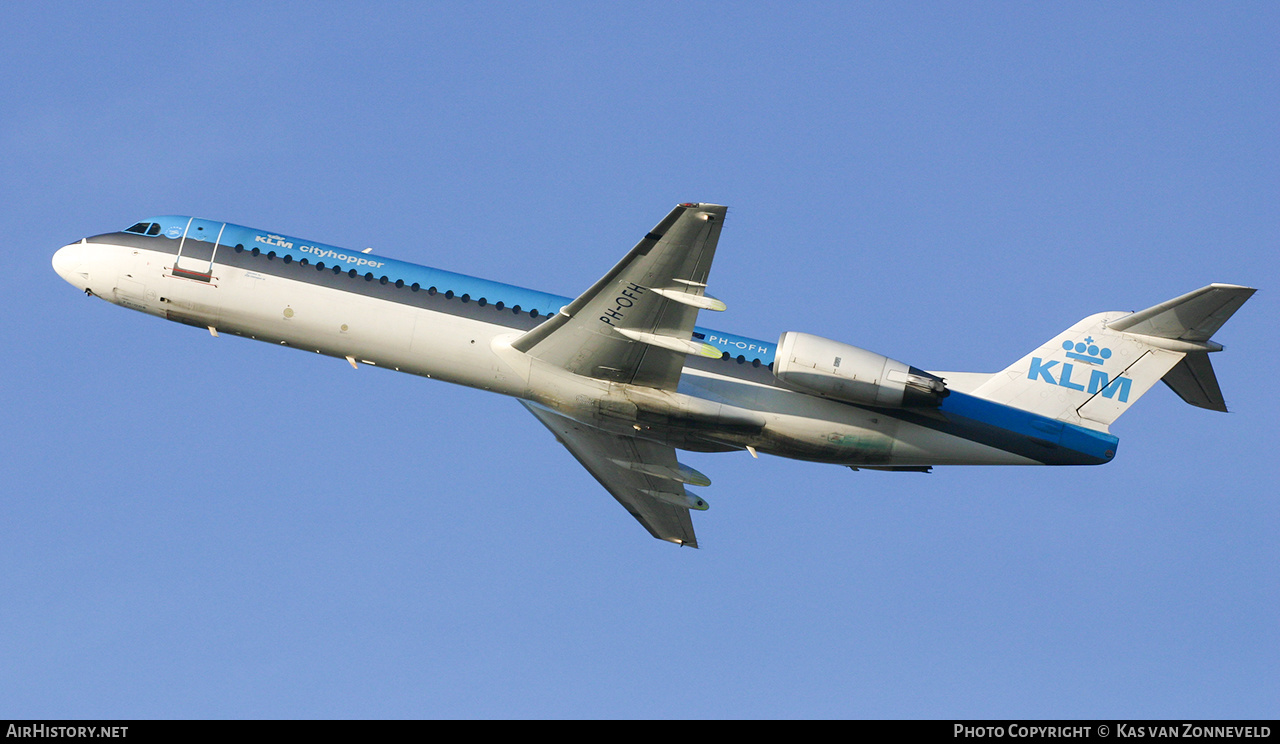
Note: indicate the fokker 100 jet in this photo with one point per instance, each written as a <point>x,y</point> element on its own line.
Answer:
<point>622,375</point>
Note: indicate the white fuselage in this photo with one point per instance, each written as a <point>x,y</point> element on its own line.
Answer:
<point>715,408</point>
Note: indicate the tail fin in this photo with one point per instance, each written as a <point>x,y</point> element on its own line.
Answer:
<point>1092,372</point>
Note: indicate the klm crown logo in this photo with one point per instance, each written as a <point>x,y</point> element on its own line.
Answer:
<point>1086,351</point>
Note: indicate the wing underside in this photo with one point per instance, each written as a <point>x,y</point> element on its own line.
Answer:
<point>643,476</point>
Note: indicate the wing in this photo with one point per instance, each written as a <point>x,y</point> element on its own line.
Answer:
<point>643,476</point>
<point>635,325</point>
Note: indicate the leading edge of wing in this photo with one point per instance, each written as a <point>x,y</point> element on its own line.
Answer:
<point>635,325</point>
<point>631,470</point>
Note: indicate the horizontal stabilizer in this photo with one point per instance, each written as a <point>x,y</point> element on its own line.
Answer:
<point>1091,373</point>
<point>1194,381</point>
<point>1194,316</point>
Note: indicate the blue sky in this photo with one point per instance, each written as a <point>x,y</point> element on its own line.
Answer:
<point>199,527</point>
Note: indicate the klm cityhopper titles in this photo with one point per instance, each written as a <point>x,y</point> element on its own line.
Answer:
<point>624,377</point>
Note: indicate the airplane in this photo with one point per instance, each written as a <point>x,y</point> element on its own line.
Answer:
<point>623,377</point>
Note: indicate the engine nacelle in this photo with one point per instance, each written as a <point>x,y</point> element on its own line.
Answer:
<point>854,375</point>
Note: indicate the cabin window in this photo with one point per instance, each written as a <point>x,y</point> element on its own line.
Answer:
<point>515,309</point>
<point>448,295</point>
<point>368,277</point>
<point>533,313</point>
<point>415,287</point>
<point>255,251</point>
<point>399,284</point>
<point>382,281</point>
<point>498,305</point>
<point>288,258</point>
<point>466,298</point>
<point>239,248</point>
<point>481,302</point>
<point>431,291</point>
<point>353,273</point>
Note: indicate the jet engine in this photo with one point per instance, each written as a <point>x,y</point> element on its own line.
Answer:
<point>835,370</point>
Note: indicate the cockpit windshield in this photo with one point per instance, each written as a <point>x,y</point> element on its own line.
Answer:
<point>145,228</point>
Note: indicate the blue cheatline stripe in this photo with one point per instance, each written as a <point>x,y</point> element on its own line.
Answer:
<point>528,299</point>
<point>1014,430</point>
<point>1044,439</point>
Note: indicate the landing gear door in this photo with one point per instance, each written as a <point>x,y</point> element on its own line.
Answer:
<point>197,249</point>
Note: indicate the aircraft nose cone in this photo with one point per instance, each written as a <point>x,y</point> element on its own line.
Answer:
<point>67,262</point>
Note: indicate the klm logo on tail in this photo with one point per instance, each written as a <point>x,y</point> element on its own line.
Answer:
<point>1086,351</point>
<point>1089,353</point>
